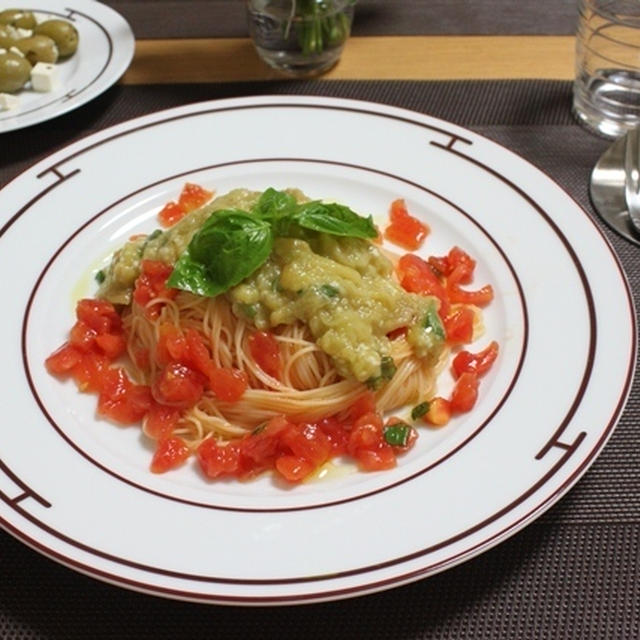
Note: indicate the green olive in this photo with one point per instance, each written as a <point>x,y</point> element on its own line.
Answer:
<point>14,72</point>
<point>38,49</point>
<point>8,36</point>
<point>63,33</point>
<point>18,18</point>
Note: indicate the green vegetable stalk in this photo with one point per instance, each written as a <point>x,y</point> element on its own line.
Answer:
<point>319,24</point>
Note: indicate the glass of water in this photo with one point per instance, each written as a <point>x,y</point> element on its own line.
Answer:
<point>300,37</point>
<point>606,91</point>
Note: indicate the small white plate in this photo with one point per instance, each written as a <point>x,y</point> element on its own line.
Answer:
<point>105,49</point>
<point>79,490</point>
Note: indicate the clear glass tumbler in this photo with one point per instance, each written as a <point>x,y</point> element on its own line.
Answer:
<point>606,90</point>
<point>300,37</point>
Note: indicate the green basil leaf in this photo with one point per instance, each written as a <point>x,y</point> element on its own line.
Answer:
<point>420,410</point>
<point>230,246</point>
<point>329,290</point>
<point>100,276</point>
<point>397,435</point>
<point>433,324</point>
<point>334,219</point>
<point>387,367</point>
<point>274,205</point>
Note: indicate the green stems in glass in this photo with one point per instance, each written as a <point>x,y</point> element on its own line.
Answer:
<point>319,24</point>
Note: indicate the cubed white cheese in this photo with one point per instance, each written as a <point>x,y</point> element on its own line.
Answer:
<point>16,51</point>
<point>2,51</point>
<point>8,102</point>
<point>45,77</point>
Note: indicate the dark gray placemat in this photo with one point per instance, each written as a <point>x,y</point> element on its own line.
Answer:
<point>574,573</point>
<point>226,18</point>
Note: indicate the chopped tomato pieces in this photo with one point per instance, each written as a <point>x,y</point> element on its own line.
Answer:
<point>161,420</point>
<point>465,393</point>
<point>178,386</point>
<point>122,400</point>
<point>193,196</point>
<point>99,315</point>
<point>170,453</point>
<point>64,359</point>
<point>481,297</point>
<point>294,468</point>
<point>228,384</point>
<point>89,371</point>
<point>265,350</point>
<point>417,276</point>
<point>113,345</point>
<point>219,460</point>
<point>458,325</point>
<point>82,336</point>
<point>439,412</point>
<point>366,403</point>
<point>152,284</point>
<point>478,363</point>
<point>171,213</point>
<point>405,230</point>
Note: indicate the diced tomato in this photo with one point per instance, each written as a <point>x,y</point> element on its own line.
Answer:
<point>171,345</point>
<point>377,459</point>
<point>458,325</point>
<point>151,284</point>
<point>228,384</point>
<point>307,441</point>
<point>461,266</point>
<point>481,297</point>
<point>161,420</point>
<point>171,213</point>
<point>366,433</point>
<point>197,353</point>
<point>293,468</point>
<point>111,344</point>
<point>262,446</point>
<point>478,363</point>
<point>82,336</point>
<point>366,403</point>
<point>170,453</point>
<point>122,400</point>
<point>265,350</point>
<point>439,412</point>
<point>337,434</point>
<point>89,371</point>
<point>405,230</point>
<point>100,315</point>
<point>417,276</point>
<point>193,196</point>
<point>465,393</point>
<point>219,460</point>
<point>178,386</point>
<point>395,334</point>
<point>63,360</point>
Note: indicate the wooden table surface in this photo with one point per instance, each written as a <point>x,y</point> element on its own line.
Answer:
<point>435,57</point>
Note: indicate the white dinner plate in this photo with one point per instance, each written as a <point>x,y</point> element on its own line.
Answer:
<point>105,50</point>
<point>78,489</point>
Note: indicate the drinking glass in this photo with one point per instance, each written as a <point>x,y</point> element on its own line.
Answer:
<point>300,37</point>
<point>606,90</point>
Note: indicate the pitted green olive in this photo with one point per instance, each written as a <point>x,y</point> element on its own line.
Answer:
<point>8,36</point>
<point>14,72</point>
<point>63,33</point>
<point>38,49</point>
<point>18,18</point>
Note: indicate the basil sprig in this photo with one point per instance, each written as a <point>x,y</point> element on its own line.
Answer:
<point>232,244</point>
